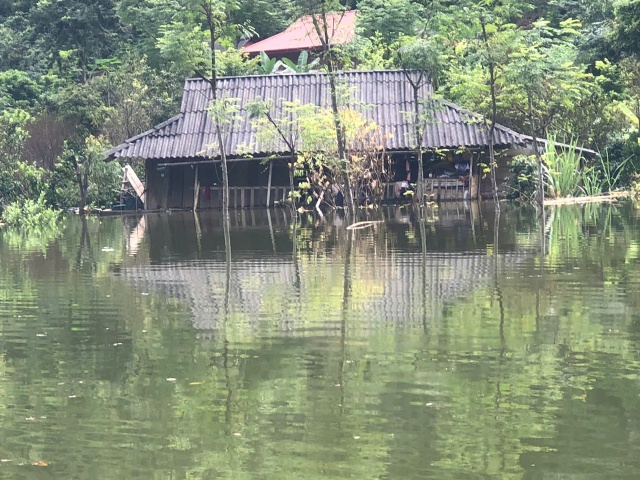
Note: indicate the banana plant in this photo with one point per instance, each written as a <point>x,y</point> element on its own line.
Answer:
<point>302,65</point>
<point>268,66</point>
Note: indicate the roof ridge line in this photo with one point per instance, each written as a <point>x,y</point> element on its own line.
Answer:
<point>300,74</point>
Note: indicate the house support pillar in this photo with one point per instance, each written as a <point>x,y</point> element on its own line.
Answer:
<point>473,185</point>
<point>166,182</point>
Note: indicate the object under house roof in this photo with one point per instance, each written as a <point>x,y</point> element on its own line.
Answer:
<point>302,35</point>
<point>384,97</point>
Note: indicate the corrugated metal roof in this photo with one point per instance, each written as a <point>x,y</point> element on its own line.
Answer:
<point>385,97</point>
<point>302,35</point>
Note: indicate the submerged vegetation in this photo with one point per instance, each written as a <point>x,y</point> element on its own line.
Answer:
<point>30,214</point>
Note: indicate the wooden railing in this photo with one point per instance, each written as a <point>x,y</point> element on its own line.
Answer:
<point>436,189</point>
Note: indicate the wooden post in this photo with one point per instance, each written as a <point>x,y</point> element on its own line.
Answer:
<point>269,182</point>
<point>166,180</point>
<point>196,188</point>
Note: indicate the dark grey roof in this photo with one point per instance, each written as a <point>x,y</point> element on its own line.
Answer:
<point>385,97</point>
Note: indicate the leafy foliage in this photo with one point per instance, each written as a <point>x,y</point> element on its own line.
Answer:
<point>391,19</point>
<point>84,178</point>
<point>30,214</point>
<point>523,178</point>
<point>309,136</point>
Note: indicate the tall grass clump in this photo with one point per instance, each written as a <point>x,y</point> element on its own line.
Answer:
<point>610,172</point>
<point>568,173</point>
<point>563,169</point>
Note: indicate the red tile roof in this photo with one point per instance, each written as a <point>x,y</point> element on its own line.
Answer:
<point>301,34</point>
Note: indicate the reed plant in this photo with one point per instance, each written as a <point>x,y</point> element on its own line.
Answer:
<point>568,173</point>
<point>611,173</point>
<point>563,169</point>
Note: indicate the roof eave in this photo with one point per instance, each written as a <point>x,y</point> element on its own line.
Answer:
<point>111,153</point>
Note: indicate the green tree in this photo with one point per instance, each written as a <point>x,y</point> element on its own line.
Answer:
<point>421,61</point>
<point>19,89</point>
<point>544,77</point>
<point>320,12</point>
<point>390,18</point>
<point>18,179</point>
<point>626,27</point>
<point>83,178</point>
<point>79,30</point>
<point>264,18</point>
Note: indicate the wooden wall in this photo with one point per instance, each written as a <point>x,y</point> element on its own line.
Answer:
<point>173,187</point>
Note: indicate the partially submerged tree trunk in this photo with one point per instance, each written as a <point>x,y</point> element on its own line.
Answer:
<point>82,180</point>
<point>534,136</point>
<point>418,118</point>
<point>417,125</point>
<point>207,7</point>
<point>342,142</point>
<point>492,124</point>
<point>326,39</point>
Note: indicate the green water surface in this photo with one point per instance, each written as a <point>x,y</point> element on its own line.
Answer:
<point>454,347</point>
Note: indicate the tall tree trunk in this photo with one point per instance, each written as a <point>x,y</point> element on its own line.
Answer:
<point>492,123</point>
<point>326,39</point>
<point>82,179</point>
<point>340,137</point>
<point>85,185</point>
<point>292,187</point>
<point>534,136</point>
<point>213,82</point>
<point>419,134</point>
<point>492,161</point>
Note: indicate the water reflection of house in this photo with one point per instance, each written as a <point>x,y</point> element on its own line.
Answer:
<point>275,291</point>
<point>182,159</point>
<point>399,299</point>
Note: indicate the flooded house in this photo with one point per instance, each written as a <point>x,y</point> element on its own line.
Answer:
<point>182,161</point>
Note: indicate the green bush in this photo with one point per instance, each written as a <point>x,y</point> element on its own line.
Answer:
<point>103,178</point>
<point>30,214</point>
<point>523,180</point>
